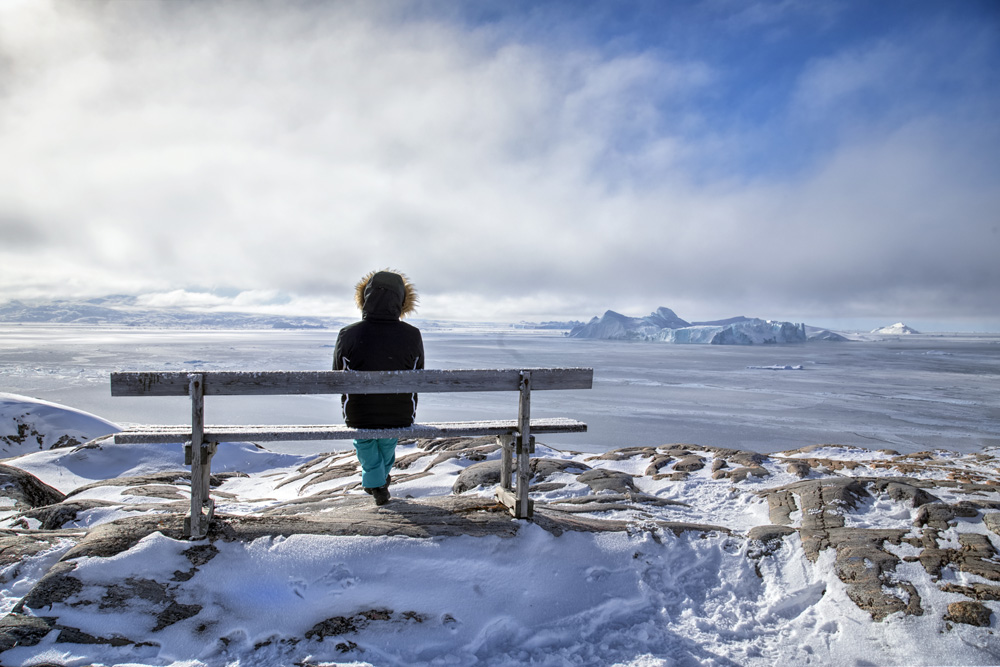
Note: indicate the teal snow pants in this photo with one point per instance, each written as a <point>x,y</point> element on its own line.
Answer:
<point>376,456</point>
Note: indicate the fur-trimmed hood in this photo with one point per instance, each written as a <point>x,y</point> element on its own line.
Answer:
<point>385,294</point>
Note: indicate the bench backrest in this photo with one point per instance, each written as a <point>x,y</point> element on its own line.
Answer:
<point>231,383</point>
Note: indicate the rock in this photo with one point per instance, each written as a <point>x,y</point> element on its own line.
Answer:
<point>469,454</point>
<point>769,533</point>
<point>690,464</point>
<point>54,517</point>
<point>486,473</point>
<point>174,613</point>
<point>799,468</point>
<point>23,630</point>
<point>823,501</point>
<point>55,586</point>
<point>600,479</point>
<point>765,540</point>
<point>938,515</point>
<point>659,461</point>
<point>624,453</point>
<point>741,474</point>
<point>26,490</point>
<point>866,567</point>
<point>542,468</point>
<point>975,591</point>
<point>156,491</point>
<point>547,487</point>
<point>638,497</point>
<point>904,492</point>
<point>336,626</point>
<point>746,459</point>
<point>992,521</point>
<point>969,613</point>
<point>976,556</point>
<point>455,444</point>
<point>172,478</point>
<point>15,548</point>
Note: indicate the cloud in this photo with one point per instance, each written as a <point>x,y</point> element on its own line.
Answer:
<point>279,152</point>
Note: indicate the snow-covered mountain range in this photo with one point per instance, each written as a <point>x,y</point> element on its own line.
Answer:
<point>124,310</point>
<point>664,325</point>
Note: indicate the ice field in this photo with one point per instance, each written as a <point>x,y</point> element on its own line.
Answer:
<point>907,393</point>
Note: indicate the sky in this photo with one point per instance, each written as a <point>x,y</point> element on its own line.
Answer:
<point>829,162</point>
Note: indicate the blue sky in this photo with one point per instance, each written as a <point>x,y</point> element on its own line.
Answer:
<point>827,162</point>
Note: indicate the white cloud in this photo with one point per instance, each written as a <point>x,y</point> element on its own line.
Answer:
<point>281,151</point>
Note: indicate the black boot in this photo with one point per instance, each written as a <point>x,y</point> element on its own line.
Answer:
<point>381,494</point>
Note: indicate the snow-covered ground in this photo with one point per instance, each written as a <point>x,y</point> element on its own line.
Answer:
<point>664,555</point>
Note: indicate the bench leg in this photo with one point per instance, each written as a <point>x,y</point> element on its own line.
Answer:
<point>506,443</point>
<point>202,505</point>
<point>524,508</point>
<point>196,525</point>
<point>514,492</point>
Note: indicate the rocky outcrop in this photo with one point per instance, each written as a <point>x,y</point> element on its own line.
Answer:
<point>26,491</point>
<point>827,503</point>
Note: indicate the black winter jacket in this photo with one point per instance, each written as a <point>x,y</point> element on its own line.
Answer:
<point>380,342</point>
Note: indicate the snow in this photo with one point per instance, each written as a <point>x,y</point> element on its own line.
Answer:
<point>29,424</point>
<point>895,329</point>
<point>643,596</point>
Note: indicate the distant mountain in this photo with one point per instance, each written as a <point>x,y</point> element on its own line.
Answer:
<point>547,325</point>
<point>121,310</point>
<point>897,328</point>
<point>664,325</point>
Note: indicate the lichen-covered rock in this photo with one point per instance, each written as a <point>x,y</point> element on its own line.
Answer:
<point>866,567</point>
<point>799,468</point>
<point>969,613</point>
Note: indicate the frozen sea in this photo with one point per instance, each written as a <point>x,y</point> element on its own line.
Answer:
<point>907,393</point>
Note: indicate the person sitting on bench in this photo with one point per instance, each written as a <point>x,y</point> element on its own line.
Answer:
<point>380,342</point>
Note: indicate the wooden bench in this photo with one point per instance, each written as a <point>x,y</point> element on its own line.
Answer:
<point>515,436</point>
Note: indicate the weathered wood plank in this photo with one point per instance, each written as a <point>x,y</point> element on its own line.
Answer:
<point>518,509</point>
<point>197,526</point>
<point>271,433</point>
<point>506,443</point>
<point>524,448</point>
<point>218,383</point>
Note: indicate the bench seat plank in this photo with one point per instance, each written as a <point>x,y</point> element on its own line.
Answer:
<point>270,433</point>
<point>263,383</point>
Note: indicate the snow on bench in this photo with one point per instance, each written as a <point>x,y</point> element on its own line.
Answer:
<point>513,435</point>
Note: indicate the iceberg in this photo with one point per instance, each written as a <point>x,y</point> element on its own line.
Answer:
<point>664,325</point>
<point>895,329</point>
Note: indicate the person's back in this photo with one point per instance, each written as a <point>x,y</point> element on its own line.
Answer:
<point>380,342</point>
